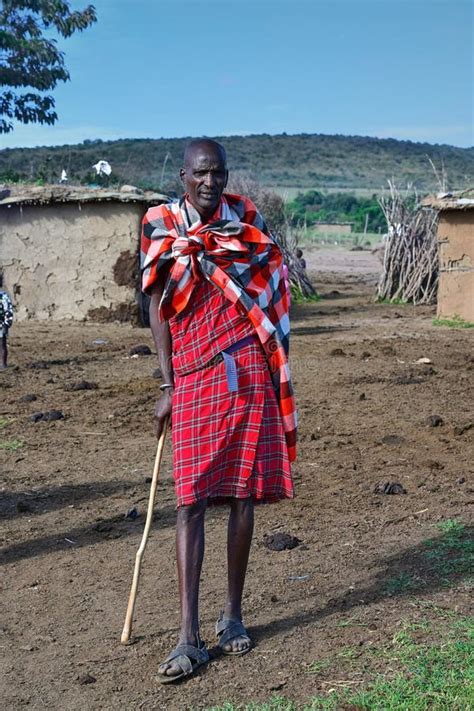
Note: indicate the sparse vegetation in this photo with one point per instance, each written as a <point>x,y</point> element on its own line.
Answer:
<point>429,667</point>
<point>454,551</point>
<point>455,322</point>
<point>298,298</point>
<point>304,161</point>
<point>401,583</point>
<point>315,206</point>
<point>309,236</point>
<point>428,662</point>
<point>12,445</point>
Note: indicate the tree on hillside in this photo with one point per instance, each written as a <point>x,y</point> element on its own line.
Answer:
<point>28,59</point>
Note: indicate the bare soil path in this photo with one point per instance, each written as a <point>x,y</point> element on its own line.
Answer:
<point>365,405</point>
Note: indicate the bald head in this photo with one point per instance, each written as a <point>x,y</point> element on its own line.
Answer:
<point>204,175</point>
<point>204,146</point>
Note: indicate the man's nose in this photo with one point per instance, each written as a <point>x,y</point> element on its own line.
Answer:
<point>209,180</point>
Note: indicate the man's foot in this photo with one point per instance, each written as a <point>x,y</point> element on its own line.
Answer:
<point>232,635</point>
<point>183,661</point>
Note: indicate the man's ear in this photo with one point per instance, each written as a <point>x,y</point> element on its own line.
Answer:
<point>182,174</point>
<point>226,178</point>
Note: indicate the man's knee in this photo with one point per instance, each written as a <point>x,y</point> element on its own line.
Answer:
<point>242,507</point>
<point>192,512</point>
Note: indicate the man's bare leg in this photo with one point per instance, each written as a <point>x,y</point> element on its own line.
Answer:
<point>239,539</point>
<point>4,359</point>
<point>190,554</point>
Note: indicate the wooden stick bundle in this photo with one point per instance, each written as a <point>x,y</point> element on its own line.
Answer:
<point>410,268</point>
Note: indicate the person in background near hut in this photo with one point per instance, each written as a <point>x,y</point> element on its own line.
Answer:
<point>300,260</point>
<point>6,320</point>
<point>219,318</point>
<point>286,279</point>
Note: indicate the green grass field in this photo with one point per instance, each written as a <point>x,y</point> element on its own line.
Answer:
<point>338,240</point>
<point>288,192</point>
<point>426,665</point>
<point>421,675</point>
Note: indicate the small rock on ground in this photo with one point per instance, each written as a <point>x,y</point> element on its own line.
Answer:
<point>49,416</point>
<point>280,541</point>
<point>434,421</point>
<point>38,365</point>
<point>86,679</point>
<point>387,487</point>
<point>81,385</point>
<point>140,350</point>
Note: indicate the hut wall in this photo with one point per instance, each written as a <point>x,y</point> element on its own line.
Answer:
<point>71,260</point>
<point>456,249</point>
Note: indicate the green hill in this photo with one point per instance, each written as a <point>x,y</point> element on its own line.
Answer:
<point>294,161</point>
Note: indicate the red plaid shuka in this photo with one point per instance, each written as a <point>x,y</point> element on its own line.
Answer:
<point>236,254</point>
<point>225,444</point>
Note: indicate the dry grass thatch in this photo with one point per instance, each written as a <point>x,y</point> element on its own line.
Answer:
<point>25,194</point>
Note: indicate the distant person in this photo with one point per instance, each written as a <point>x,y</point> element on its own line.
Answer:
<point>6,320</point>
<point>286,277</point>
<point>300,260</point>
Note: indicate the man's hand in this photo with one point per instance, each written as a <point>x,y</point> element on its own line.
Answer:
<point>163,410</point>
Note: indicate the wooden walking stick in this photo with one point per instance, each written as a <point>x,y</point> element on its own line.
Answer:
<point>127,628</point>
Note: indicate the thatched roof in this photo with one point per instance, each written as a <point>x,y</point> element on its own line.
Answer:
<point>50,194</point>
<point>463,200</point>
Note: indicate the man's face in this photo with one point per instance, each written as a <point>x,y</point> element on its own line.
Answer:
<point>204,178</point>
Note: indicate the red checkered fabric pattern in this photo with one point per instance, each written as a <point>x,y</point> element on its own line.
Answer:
<point>229,444</point>
<point>235,252</point>
<point>207,326</point>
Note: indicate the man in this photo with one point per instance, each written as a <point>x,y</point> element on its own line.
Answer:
<point>219,318</point>
<point>6,320</point>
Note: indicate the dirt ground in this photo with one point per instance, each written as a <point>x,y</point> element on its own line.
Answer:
<point>365,405</point>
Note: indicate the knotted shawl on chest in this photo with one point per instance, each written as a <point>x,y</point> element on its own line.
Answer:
<point>240,258</point>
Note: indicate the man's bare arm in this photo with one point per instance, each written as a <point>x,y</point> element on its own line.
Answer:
<point>161,335</point>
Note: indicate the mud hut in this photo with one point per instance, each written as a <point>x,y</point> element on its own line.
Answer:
<point>72,253</point>
<point>456,253</point>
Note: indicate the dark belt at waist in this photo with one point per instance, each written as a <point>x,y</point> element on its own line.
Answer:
<point>237,346</point>
<point>230,366</point>
<point>226,356</point>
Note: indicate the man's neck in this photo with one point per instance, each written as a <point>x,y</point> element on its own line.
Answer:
<point>206,216</point>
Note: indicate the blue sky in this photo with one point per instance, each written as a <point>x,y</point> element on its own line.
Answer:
<point>165,68</point>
